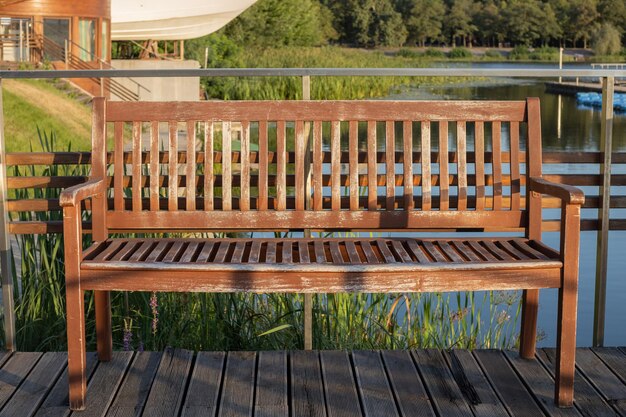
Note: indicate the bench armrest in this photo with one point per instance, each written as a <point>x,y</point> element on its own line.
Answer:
<point>567,193</point>
<point>72,196</point>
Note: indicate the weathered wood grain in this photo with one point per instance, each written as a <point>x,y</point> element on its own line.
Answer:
<point>32,391</point>
<point>168,388</point>
<point>133,393</point>
<point>474,385</point>
<point>238,390</point>
<point>14,371</point>
<point>104,384</point>
<point>445,393</point>
<point>204,386</point>
<point>57,402</point>
<point>408,388</point>
<point>507,385</point>
<point>307,394</point>
<point>272,391</point>
<point>540,383</point>
<point>587,400</point>
<point>373,385</point>
<point>340,390</point>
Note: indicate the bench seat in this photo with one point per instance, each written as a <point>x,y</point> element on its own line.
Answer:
<point>320,265</point>
<point>414,170</point>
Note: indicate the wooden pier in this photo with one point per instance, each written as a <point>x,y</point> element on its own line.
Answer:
<point>571,88</point>
<point>314,383</point>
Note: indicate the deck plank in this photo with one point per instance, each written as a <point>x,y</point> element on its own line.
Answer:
<point>14,372</point>
<point>342,399</point>
<point>600,375</point>
<point>307,396</point>
<point>167,390</point>
<point>474,385</point>
<point>57,402</point>
<point>376,395</point>
<point>36,386</point>
<point>586,398</point>
<point>4,356</point>
<point>135,388</point>
<point>238,390</point>
<point>104,384</point>
<point>540,383</point>
<point>614,359</point>
<point>204,387</point>
<point>407,385</point>
<point>515,398</point>
<point>271,397</point>
<point>444,391</point>
<point>315,384</point>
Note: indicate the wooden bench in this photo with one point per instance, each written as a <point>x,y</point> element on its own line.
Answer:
<point>375,166</point>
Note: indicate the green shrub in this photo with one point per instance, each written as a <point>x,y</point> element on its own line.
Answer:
<point>434,53</point>
<point>408,53</point>
<point>545,53</point>
<point>492,53</point>
<point>606,40</point>
<point>520,52</point>
<point>457,53</point>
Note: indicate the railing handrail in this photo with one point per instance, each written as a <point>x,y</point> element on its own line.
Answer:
<point>329,72</point>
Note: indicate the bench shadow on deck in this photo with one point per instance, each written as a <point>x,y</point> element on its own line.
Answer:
<point>310,383</point>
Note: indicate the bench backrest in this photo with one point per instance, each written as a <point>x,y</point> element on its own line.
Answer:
<point>273,165</point>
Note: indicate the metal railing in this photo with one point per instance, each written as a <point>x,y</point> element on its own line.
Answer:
<point>603,158</point>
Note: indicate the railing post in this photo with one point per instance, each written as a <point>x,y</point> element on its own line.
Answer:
<point>560,64</point>
<point>101,82</point>
<point>606,147</point>
<point>308,298</point>
<point>66,55</point>
<point>5,245</point>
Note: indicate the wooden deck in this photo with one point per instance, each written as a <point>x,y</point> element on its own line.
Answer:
<point>316,384</point>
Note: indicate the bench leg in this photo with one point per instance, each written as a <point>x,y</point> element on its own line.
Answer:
<point>104,338</point>
<point>568,299</point>
<point>566,344</point>
<point>528,334</point>
<point>76,352</point>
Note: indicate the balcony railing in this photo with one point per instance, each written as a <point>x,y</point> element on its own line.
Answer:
<point>600,202</point>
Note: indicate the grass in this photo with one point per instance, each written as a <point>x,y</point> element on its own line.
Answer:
<point>30,105</point>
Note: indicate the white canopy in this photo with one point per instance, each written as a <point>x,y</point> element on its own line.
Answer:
<point>171,19</point>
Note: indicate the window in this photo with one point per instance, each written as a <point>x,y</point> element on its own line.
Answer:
<point>105,40</point>
<point>87,39</point>
<point>56,32</point>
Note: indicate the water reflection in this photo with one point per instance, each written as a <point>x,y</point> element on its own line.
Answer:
<point>573,128</point>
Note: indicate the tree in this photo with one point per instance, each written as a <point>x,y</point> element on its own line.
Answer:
<point>531,21</point>
<point>492,28</point>
<point>425,20</point>
<point>614,12</point>
<point>606,40</point>
<point>281,23</point>
<point>369,23</point>
<point>458,24</point>
<point>582,20</point>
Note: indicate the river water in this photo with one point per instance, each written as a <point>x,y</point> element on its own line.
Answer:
<point>572,129</point>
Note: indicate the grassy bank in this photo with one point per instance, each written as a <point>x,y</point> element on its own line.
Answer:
<point>32,105</point>
<point>327,88</point>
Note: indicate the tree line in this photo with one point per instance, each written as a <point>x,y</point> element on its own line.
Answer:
<point>395,23</point>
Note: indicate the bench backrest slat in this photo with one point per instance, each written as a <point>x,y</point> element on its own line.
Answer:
<point>285,165</point>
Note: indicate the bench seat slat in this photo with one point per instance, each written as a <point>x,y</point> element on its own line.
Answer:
<point>333,251</point>
<point>466,251</point>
